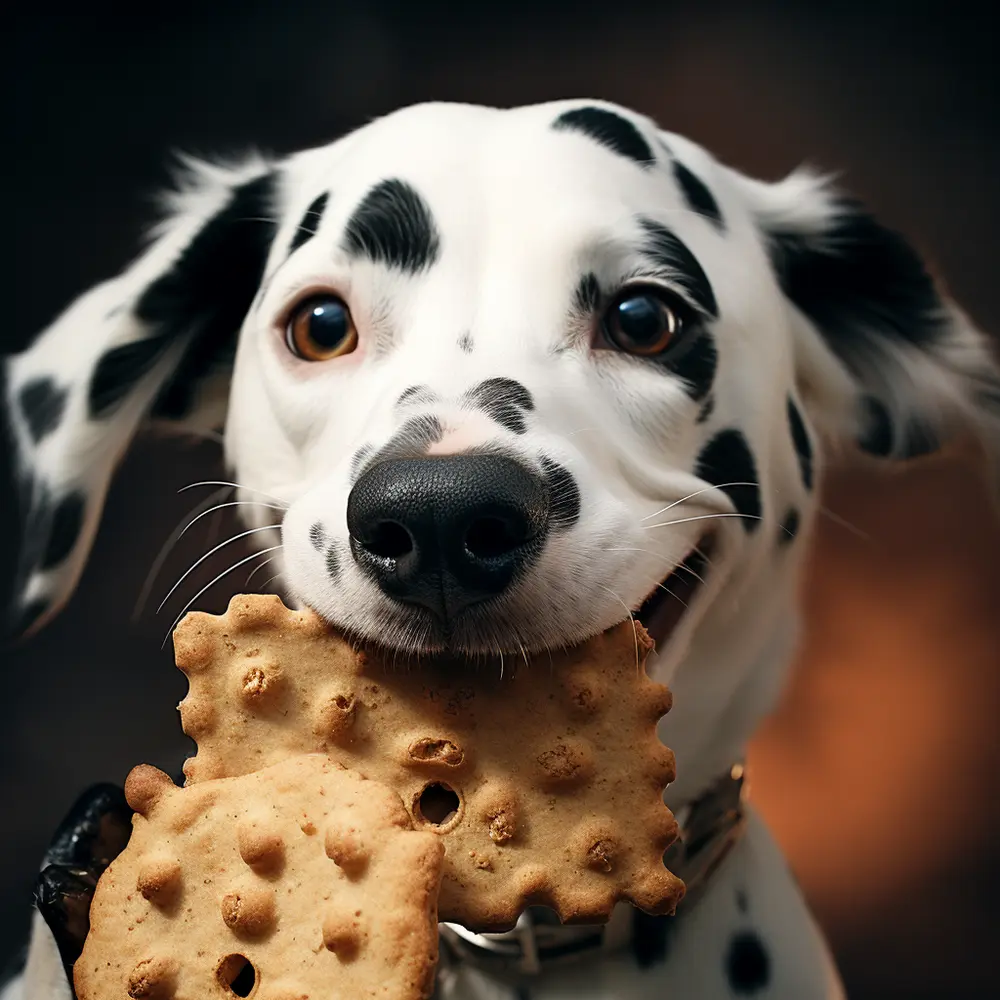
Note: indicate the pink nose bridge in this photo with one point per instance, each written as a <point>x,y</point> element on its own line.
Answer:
<point>463,431</point>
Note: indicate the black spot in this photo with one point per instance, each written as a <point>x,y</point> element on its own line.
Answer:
<point>919,439</point>
<point>697,195</point>
<point>748,966</point>
<point>727,459</point>
<point>742,901</point>
<point>465,343</point>
<point>317,536</point>
<point>412,439</point>
<point>67,520</point>
<point>503,400</point>
<point>564,495</point>
<point>856,279</point>
<point>587,297</point>
<point>707,409</point>
<point>877,434</point>
<point>789,527</point>
<point>696,364</point>
<point>803,446</point>
<point>651,938</point>
<point>359,460</point>
<point>333,562</point>
<point>393,226</point>
<point>42,402</point>
<point>416,394</point>
<point>309,223</point>
<point>208,290</point>
<point>671,256</point>
<point>118,370</point>
<point>610,130</point>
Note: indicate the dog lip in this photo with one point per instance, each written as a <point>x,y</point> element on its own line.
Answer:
<point>662,611</point>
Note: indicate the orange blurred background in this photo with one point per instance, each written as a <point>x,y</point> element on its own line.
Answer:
<point>878,771</point>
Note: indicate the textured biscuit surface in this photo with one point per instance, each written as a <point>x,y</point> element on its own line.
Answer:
<point>544,781</point>
<point>236,888</point>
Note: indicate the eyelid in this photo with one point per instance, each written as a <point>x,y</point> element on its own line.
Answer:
<point>308,290</point>
<point>640,281</point>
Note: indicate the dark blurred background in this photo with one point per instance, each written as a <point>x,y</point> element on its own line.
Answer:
<point>878,773</point>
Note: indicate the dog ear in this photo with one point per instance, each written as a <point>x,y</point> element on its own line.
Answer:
<point>887,359</point>
<point>150,343</point>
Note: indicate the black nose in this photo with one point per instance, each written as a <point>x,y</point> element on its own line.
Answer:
<point>447,532</point>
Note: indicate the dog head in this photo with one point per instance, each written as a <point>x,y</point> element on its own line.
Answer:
<point>515,374</point>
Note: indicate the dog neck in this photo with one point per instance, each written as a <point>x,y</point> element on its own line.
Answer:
<point>726,674</point>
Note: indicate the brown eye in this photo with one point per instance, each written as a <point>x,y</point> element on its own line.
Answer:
<point>321,328</point>
<point>641,322</point>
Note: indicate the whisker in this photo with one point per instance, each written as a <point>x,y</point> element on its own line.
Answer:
<point>165,549</point>
<point>700,517</point>
<point>690,496</point>
<point>635,631</point>
<point>194,566</point>
<point>233,503</point>
<point>258,568</point>
<point>238,486</point>
<point>837,519</point>
<point>242,562</point>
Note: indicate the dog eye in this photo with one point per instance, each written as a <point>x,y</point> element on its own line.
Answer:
<point>321,328</point>
<point>641,322</point>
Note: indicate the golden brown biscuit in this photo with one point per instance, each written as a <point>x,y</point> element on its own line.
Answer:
<point>545,782</point>
<point>301,880</point>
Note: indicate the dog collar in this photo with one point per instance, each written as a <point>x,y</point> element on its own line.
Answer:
<point>710,827</point>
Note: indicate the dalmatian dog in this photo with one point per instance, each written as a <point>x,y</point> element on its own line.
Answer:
<point>492,381</point>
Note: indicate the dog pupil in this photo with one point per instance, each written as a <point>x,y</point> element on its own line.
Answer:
<point>328,324</point>
<point>641,319</point>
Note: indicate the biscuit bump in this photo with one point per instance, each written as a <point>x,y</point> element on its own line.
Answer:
<point>346,850</point>
<point>152,979</point>
<point>145,786</point>
<point>262,849</point>
<point>436,751</point>
<point>342,937</point>
<point>158,879</point>
<point>249,911</point>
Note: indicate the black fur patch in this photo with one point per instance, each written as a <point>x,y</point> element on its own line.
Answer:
<point>856,279</point>
<point>118,370</point>
<point>727,459</point>
<point>748,965</point>
<point>697,195</point>
<point>610,130</point>
<point>67,520</point>
<point>416,394</point>
<point>707,409</point>
<point>208,290</point>
<point>564,495</point>
<point>696,365</point>
<point>803,446</point>
<point>670,255</point>
<point>359,459</point>
<point>393,225</point>
<point>317,536</point>
<point>651,938</point>
<point>465,344</point>
<point>503,400</point>
<point>877,435</point>
<point>412,439</point>
<point>333,562</point>
<point>587,297</point>
<point>42,402</point>
<point>789,527</point>
<point>309,223</point>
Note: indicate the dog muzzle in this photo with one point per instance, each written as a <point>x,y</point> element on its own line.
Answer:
<point>710,827</point>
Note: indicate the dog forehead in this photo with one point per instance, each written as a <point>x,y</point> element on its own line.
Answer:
<point>562,162</point>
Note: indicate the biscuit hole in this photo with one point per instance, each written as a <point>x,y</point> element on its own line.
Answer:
<point>438,804</point>
<point>237,975</point>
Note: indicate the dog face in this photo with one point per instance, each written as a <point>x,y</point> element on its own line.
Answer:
<point>516,374</point>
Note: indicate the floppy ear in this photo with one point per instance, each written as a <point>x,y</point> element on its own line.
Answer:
<point>151,342</point>
<point>888,360</point>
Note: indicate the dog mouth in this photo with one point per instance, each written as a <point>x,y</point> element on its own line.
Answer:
<point>663,610</point>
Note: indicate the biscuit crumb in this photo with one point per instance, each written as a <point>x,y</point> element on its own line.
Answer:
<point>502,827</point>
<point>599,855</point>
<point>440,751</point>
<point>481,861</point>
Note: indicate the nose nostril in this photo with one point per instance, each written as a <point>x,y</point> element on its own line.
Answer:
<point>490,537</point>
<point>390,541</point>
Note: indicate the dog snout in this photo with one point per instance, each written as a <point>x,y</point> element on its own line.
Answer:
<point>447,532</point>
